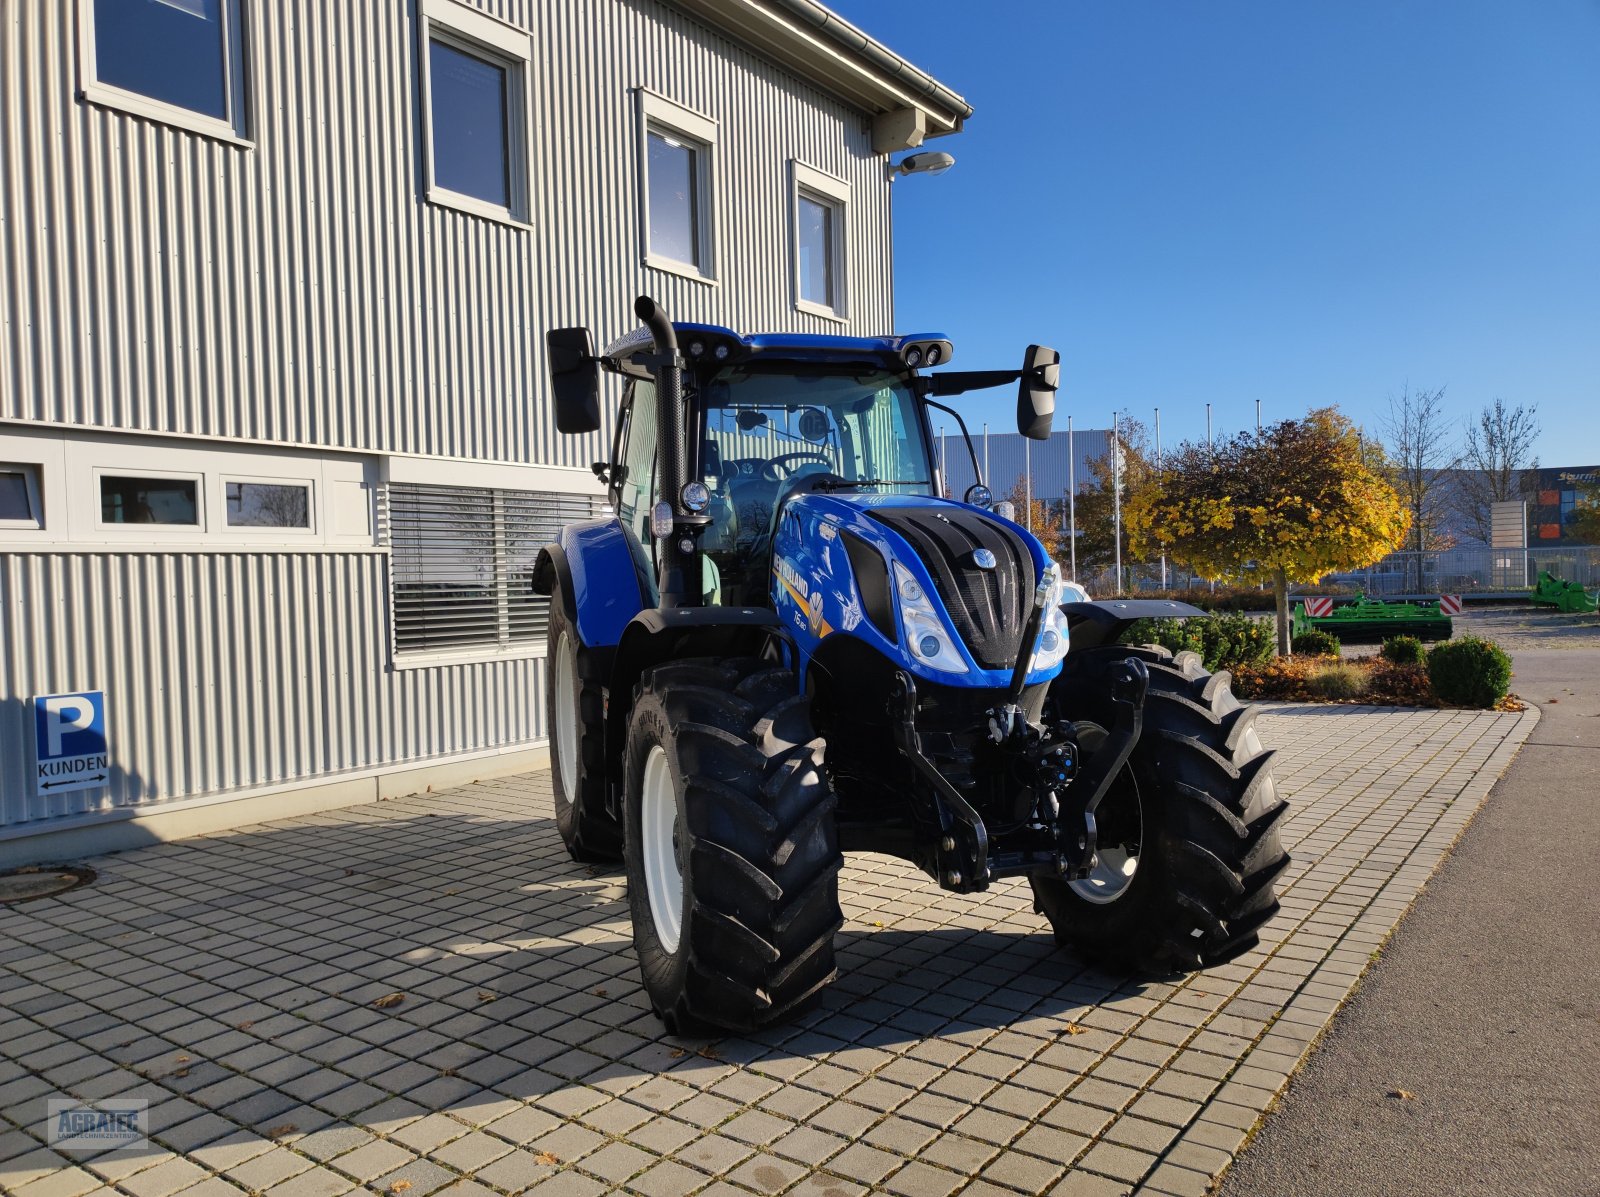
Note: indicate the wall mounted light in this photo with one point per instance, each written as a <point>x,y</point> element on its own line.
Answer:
<point>929,162</point>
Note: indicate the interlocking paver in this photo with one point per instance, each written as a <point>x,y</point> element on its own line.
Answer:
<point>957,1049</point>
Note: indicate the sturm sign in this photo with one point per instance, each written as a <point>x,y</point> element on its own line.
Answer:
<point>70,735</point>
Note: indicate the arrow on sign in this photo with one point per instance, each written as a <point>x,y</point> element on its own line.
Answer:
<point>76,781</point>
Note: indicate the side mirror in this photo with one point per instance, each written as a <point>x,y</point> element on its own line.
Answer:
<point>1036,393</point>
<point>575,378</point>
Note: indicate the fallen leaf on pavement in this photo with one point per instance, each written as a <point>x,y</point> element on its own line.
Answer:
<point>245,1025</point>
<point>181,1072</point>
<point>278,1132</point>
<point>709,1052</point>
<point>400,1186</point>
<point>677,1053</point>
<point>389,1000</point>
<point>1403,1094</point>
<point>1073,1029</point>
<point>547,1157</point>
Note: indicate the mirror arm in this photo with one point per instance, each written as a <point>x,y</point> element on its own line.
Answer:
<point>977,472</point>
<point>612,365</point>
<point>954,382</point>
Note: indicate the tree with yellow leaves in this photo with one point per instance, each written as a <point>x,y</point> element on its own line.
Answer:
<point>1297,500</point>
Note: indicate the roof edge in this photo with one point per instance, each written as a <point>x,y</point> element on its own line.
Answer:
<point>826,49</point>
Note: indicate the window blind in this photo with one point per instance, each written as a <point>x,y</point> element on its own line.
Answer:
<point>461,563</point>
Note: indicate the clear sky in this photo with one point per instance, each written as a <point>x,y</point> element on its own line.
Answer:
<point>1302,203</point>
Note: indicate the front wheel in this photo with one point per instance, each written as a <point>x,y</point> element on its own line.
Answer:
<point>732,857</point>
<point>1188,832</point>
<point>576,711</point>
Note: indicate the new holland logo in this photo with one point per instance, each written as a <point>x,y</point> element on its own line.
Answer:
<point>983,558</point>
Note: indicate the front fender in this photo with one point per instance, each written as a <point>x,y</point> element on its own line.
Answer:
<point>599,576</point>
<point>1095,623</point>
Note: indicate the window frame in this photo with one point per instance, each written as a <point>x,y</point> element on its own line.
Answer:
<point>657,114</point>
<point>200,527</point>
<point>267,530</point>
<point>490,40</point>
<point>35,492</point>
<point>235,129</point>
<point>807,182</point>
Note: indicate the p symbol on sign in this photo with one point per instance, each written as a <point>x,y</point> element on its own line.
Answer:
<point>65,713</point>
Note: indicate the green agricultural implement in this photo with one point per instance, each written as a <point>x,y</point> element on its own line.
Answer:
<point>1372,621</point>
<point>1566,597</point>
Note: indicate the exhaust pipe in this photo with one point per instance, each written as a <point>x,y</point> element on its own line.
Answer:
<point>677,565</point>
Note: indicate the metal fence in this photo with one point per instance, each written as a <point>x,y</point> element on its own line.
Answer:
<point>1468,572</point>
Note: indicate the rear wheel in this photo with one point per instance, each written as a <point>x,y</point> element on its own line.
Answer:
<point>1188,833</point>
<point>577,743</point>
<point>732,856</point>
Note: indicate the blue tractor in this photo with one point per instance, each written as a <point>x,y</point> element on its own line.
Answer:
<point>785,644</point>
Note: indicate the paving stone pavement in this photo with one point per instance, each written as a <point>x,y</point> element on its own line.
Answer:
<point>238,982</point>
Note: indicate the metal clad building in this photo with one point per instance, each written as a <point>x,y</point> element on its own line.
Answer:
<point>264,347</point>
<point>1005,457</point>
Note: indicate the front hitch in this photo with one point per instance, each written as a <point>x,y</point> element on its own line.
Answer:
<point>1127,683</point>
<point>963,848</point>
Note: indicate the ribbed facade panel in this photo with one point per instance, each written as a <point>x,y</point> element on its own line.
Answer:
<point>272,667</point>
<point>299,289</point>
<point>1010,456</point>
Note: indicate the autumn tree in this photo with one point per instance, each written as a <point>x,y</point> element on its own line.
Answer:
<point>1496,460</point>
<point>1585,522</point>
<point>1421,447</point>
<point>1096,499</point>
<point>1036,515</point>
<point>1296,500</point>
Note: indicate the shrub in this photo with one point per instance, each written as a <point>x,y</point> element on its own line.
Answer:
<point>1469,672</point>
<point>1340,680</point>
<point>1314,642</point>
<point>1224,641</point>
<point>1402,650</point>
<point>1407,684</point>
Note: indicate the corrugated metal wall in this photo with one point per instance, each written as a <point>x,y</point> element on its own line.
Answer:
<point>301,291</point>
<point>1010,456</point>
<point>271,667</point>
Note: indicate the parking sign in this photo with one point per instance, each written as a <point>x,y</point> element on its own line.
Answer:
<point>70,735</point>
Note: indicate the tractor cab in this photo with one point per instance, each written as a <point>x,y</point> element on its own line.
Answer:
<point>767,418</point>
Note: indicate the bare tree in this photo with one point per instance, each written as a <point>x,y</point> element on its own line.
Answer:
<point>1496,461</point>
<point>1421,448</point>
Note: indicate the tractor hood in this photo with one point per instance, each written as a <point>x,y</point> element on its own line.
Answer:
<point>922,573</point>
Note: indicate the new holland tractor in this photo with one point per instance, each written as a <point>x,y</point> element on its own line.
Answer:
<point>784,644</point>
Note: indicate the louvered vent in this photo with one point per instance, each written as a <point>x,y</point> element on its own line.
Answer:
<point>461,561</point>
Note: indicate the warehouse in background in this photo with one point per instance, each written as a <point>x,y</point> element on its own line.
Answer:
<point>275,448</point>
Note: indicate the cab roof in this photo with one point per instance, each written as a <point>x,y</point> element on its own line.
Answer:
<point>890,351</point>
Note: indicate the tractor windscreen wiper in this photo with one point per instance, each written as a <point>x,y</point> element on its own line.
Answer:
<point>846,484</point>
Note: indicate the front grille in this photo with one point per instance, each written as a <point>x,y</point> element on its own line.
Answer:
<point>989,607</point>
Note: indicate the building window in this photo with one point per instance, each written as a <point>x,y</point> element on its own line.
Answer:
<point>820,205</point>
<point>268,504</point>
<point>19,497</point>
<point>461,565</point>
<point>676,159</point>
<point>136,500</point>
<point>475,82</point>
<point>179,61</point>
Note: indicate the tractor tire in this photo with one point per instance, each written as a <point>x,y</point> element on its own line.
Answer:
<point>1199,810</point>
<point>731,850</point>
<point>577,743</point>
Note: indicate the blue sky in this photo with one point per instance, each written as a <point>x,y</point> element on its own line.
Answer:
<point>1306,204</point>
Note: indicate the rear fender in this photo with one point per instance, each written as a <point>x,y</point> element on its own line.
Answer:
<point>1095,623</point>
<point>600,576</point>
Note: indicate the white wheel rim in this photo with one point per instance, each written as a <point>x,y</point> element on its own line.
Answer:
<point>658,841</point>
<point>566,716</point>
<point>1110,877</point>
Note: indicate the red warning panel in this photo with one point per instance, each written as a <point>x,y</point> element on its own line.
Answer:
<point>1319,607</point>
<point>1449,604</point>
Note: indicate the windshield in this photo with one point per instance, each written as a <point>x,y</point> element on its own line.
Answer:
<point>771,426</point>
<point>767,431</point>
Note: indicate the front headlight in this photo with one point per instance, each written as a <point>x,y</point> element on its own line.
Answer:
<point>1052,646</point>
<point>924,632</point>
